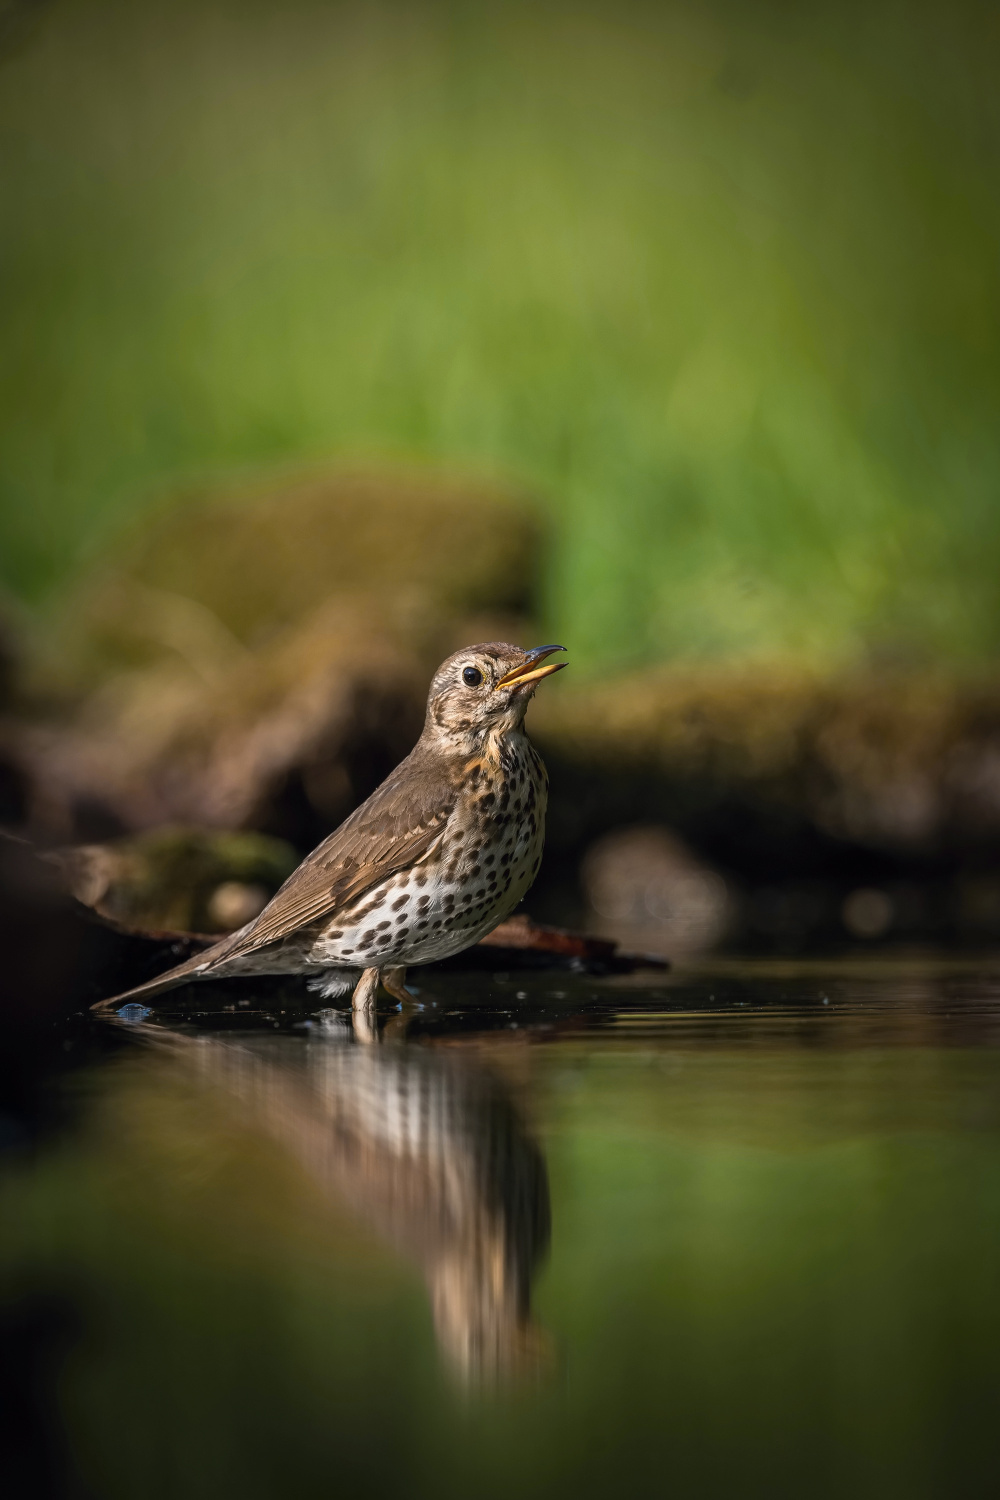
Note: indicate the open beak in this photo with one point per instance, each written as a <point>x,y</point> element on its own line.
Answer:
<point>529,670</point>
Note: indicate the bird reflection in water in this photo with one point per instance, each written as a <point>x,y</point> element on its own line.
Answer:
<point>427,1149</point>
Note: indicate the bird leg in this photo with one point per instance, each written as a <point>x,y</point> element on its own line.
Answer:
<point>394,983</point>
<point>366,992</point>
<point>363,1006</point>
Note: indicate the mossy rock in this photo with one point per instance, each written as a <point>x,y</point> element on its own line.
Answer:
<point>208,575</point>
<point>329,706</point>
<point>241,649</point>
<point>905,762</point>
<point>180,879</point>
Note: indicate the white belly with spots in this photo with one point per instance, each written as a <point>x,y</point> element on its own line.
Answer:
<point>482,869</point>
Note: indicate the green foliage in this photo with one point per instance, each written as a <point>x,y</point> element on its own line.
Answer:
<point>719,283</point>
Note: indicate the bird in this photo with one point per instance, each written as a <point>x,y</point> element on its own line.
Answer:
<point>439,854</point>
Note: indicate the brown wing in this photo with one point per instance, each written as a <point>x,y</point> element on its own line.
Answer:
<point>396,828</point>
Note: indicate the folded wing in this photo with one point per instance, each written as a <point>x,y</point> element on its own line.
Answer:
<point>401,824</point>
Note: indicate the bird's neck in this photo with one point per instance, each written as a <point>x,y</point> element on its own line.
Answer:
<point>490,743</point>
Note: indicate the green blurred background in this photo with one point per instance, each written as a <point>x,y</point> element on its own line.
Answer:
<point>717,284</point>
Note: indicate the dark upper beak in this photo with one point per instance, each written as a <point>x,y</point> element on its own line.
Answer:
<point>529,670</point>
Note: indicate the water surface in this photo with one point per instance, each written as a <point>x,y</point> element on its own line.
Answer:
<point>732,1230</point>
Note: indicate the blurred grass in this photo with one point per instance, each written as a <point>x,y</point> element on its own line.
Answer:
<point>719,283</point>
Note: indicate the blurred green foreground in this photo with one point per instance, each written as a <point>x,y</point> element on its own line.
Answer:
<point>772,1267</point>
<point>717,284</point>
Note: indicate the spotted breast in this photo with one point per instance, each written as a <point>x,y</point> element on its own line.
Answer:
<point>487,858</point>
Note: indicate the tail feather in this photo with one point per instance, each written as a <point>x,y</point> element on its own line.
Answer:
<point>198,966</point>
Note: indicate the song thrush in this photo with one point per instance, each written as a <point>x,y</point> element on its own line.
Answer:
<point>439,854</point>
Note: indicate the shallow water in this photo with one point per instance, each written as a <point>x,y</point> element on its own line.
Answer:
<point>732,1230</point>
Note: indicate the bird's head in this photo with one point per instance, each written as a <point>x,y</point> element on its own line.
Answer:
<point>485,689</point>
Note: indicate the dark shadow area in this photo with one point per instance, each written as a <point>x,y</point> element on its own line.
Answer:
<point>36,1334</point>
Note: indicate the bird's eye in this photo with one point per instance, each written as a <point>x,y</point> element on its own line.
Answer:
<point>472,676</point>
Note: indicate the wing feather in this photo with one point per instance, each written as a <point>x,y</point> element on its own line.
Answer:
<point>399,825</point>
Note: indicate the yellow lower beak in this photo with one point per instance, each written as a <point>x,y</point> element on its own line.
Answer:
<point>531,670</point>
<point>536,676</point>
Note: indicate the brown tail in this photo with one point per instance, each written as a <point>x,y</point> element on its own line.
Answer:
<point>198,966</point>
